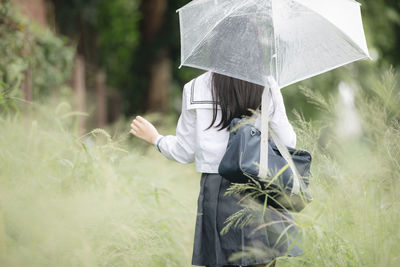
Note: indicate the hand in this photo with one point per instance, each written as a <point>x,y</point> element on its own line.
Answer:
<point>143,129</point>
<point>277,98</point>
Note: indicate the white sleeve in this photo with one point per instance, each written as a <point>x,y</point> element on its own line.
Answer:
<point>180,147</point>
<point>283,129</point>
<point>279,121</point>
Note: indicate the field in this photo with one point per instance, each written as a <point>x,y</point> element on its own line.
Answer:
<point>106,199</point>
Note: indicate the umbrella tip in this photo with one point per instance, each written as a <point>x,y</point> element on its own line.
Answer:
<point>180,66</point>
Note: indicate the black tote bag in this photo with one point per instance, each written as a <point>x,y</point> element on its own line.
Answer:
<point>240,164</point>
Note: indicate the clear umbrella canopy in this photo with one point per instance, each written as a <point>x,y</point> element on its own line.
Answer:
<point>290,40</point>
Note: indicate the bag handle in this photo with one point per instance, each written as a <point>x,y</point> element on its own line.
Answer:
<point>263,169</point>
<point>286,155</point>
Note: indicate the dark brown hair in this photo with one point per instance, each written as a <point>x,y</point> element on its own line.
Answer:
<point>235,97</point>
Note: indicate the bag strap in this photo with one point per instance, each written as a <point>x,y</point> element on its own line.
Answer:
<point>263,169</point>
<point>286,155</point>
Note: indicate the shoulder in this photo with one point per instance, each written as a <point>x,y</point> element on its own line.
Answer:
<point>198,92</point>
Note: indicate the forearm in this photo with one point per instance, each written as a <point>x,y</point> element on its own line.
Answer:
<point>174,148</point>
<point>279,121</point>
<point>284,130</point>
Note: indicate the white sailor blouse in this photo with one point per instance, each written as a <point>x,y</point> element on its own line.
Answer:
<point>193,142</point>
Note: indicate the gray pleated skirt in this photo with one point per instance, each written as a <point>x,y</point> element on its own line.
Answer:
<point>265,239</point>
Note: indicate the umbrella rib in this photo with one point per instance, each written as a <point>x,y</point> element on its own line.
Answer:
<point>216,24</point>
<point>275,52</point>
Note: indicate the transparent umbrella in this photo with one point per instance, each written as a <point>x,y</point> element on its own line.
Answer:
<point>289,40</point>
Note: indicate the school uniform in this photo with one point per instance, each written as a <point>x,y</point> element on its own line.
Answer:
<point>193,143</point>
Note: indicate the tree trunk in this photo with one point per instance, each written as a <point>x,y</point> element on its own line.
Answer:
<point>35,10</point>
<point>153,17</point>
<point>160,72</point>
<point>115,106</point>
<point>101,99</point>
<point>79,85</point>
<point>161,66</point>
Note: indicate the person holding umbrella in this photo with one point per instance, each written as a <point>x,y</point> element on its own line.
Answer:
<point>209,103</point>
<point>250,50</point>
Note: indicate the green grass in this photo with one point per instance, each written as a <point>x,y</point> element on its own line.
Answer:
<point>355,216</point>
<point>103,200</point>
<point>70,201</point>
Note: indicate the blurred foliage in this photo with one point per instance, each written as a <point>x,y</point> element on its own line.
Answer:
<point>8,98</point>
<point>118,38</point>
<point>107,34</point>
<point>382,26</point>
<point>25,47</point>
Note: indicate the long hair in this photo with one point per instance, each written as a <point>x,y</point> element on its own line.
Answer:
<point>235,97</point>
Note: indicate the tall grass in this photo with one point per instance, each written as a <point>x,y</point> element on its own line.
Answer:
<point>94,200</point>
<point>101,200</point>
<point>355,216</point>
